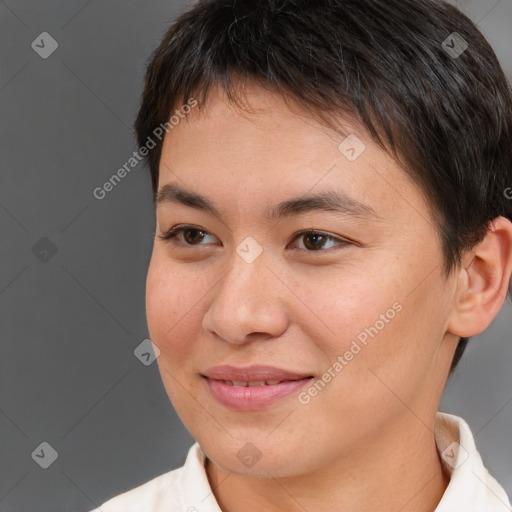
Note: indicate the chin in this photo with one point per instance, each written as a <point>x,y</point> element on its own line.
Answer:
<point>262,469</point>
<point>258,460</point>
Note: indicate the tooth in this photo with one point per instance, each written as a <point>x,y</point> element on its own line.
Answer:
<point>242,383</point>
<point>272,382</point>
<point>257,383</point>
<point>228,382</point>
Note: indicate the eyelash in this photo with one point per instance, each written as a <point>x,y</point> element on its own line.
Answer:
<point>172,235</point>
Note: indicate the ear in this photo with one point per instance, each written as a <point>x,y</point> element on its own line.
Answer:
<point>483,281</point>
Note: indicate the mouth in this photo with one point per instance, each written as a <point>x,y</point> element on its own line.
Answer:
<point>257,375</point>
<point>252,388</point>
<point>253,383</point>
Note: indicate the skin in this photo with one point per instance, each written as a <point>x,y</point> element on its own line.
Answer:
<point>366,441</point>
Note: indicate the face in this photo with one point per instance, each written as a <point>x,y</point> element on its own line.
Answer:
<point>345,306</point>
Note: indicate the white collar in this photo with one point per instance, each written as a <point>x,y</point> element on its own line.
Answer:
<point>471,487</point>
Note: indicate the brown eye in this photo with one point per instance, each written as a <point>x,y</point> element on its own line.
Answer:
<point>315,241</point>
<point>185,235</point>
<point>192,236</point>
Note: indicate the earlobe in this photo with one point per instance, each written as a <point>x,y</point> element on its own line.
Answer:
<point>483,281</point>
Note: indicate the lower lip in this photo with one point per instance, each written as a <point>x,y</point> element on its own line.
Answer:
<point>252,398</point>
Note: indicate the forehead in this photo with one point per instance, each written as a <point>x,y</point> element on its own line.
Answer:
<point>276,151</point>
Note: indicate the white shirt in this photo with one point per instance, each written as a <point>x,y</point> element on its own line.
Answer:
<point>186,489</point>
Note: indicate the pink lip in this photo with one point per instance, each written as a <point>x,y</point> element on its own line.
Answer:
<point>250,398</point>
<point>254,372</point>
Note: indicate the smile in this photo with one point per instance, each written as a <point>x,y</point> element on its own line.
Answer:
<point>253,395</point>
<point>243,383</point>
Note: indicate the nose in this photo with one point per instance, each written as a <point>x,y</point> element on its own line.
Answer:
<point>248,303</point>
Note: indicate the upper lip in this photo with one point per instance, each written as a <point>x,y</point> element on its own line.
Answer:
<point>252,373</point>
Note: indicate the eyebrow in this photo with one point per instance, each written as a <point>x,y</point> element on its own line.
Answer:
<point>329,200</point>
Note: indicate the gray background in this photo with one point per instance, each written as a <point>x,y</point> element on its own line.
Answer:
<point>69,325</point>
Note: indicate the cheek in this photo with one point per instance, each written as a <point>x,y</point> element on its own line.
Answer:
<point>397,356</point>
<point>160,304</point>
<point>373,320</point>
<point>175,304</point>
<point>350,303</point>
<point>170,318</point>
<point>167,299</point>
